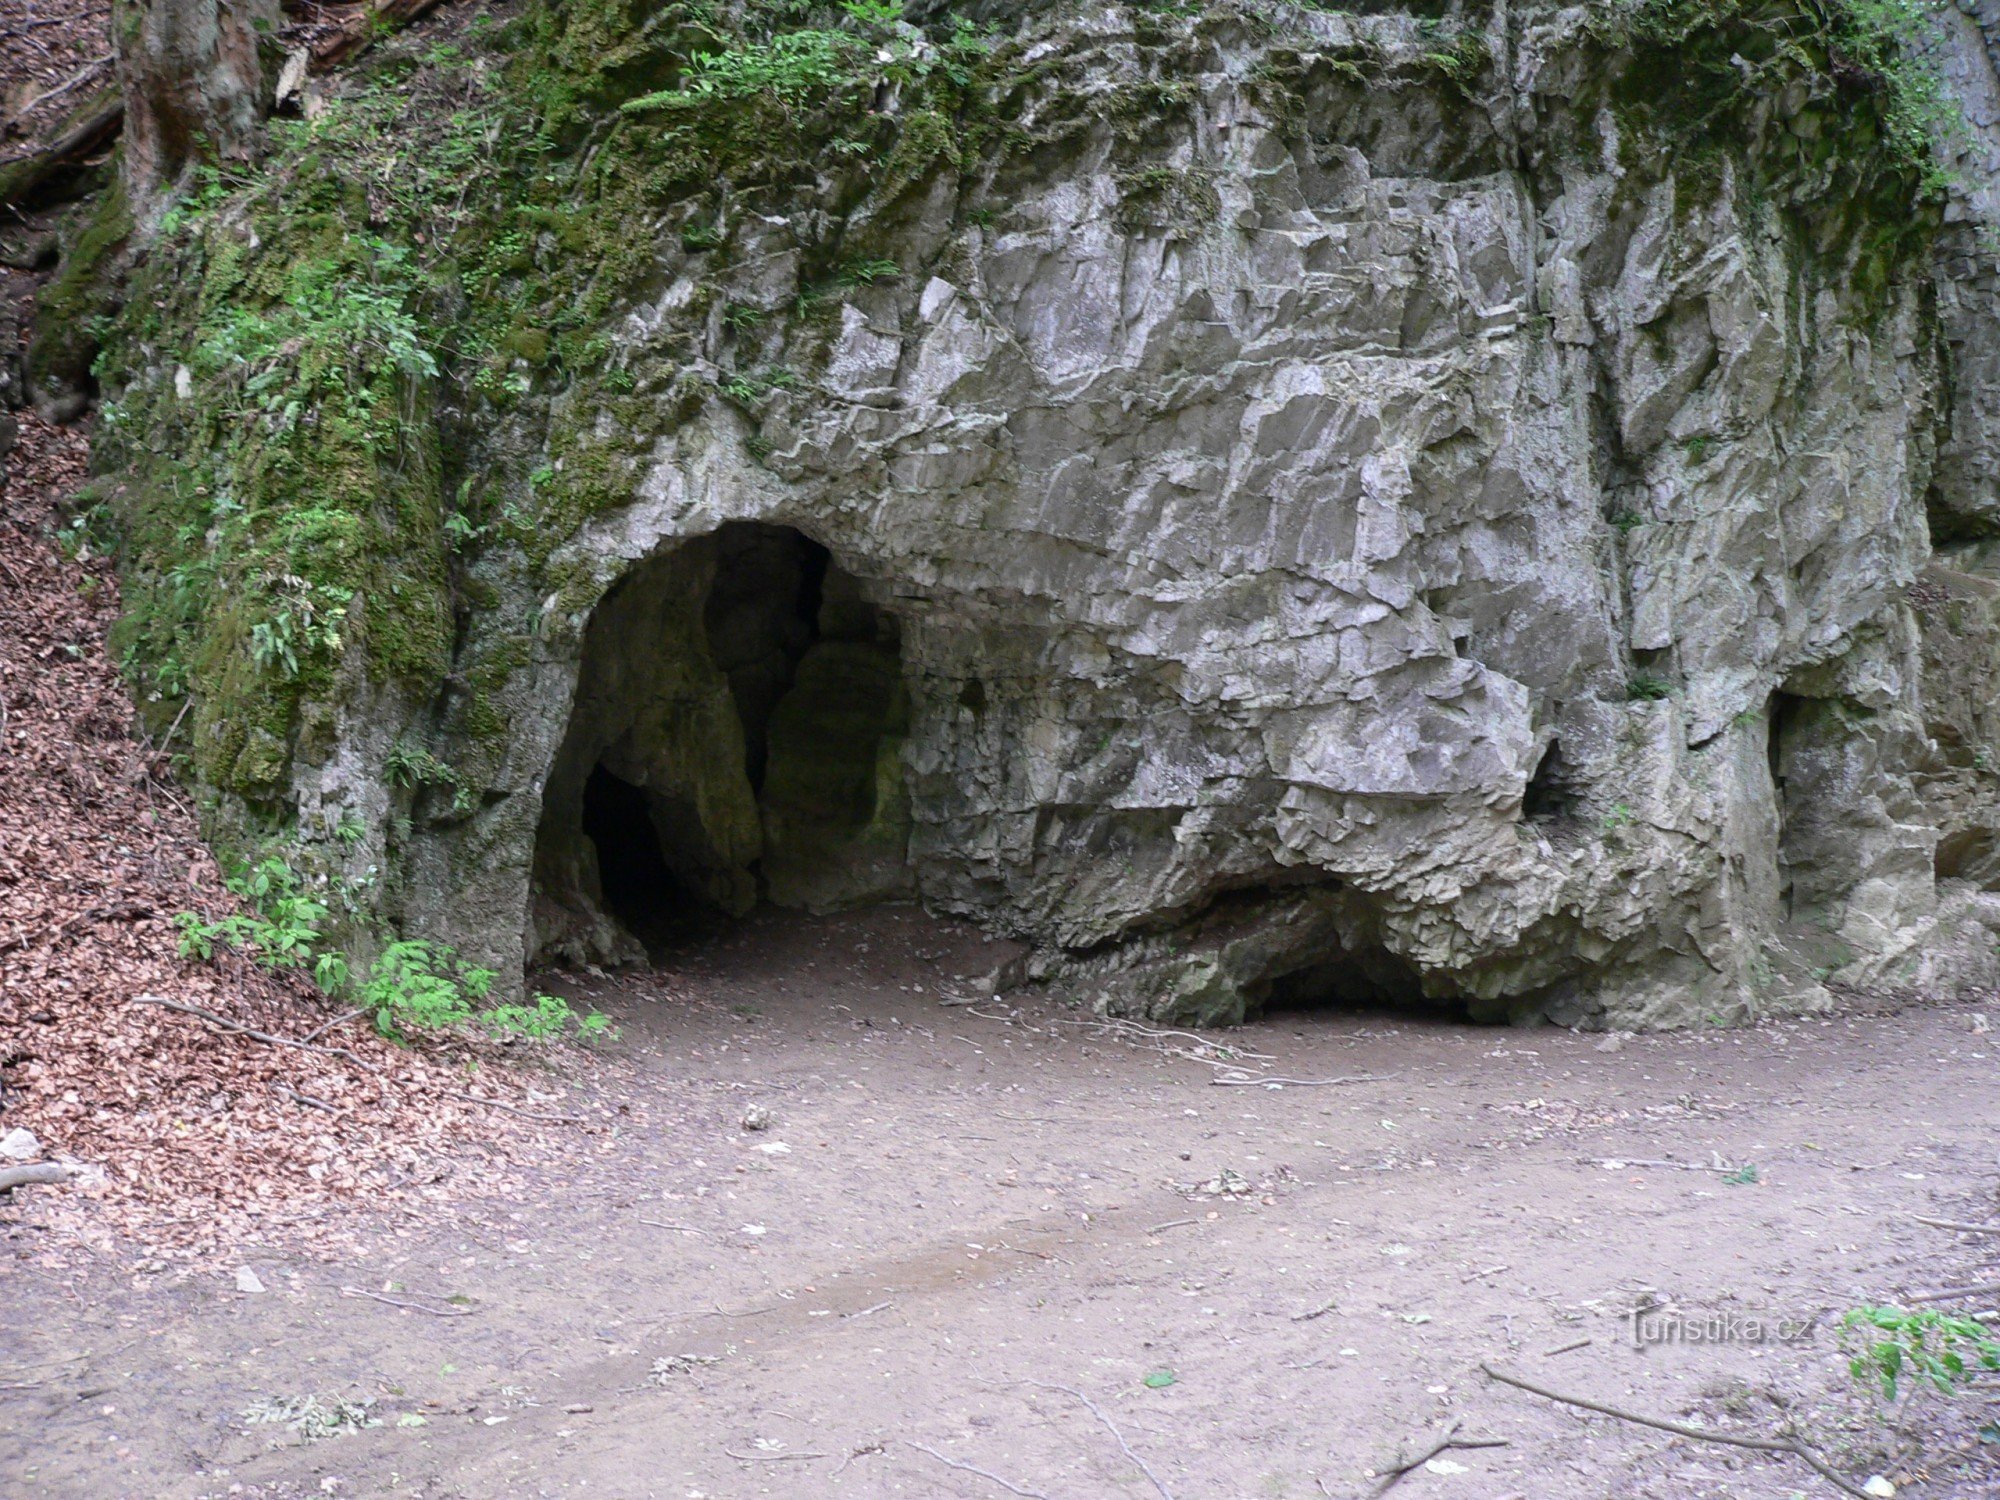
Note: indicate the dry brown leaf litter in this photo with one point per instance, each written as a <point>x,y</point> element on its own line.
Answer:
<point>55,55</point>
<point>202,1136</point>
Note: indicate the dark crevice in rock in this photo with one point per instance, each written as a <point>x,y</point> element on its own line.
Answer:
<point>1783,719</point>
<point>1553,791</point>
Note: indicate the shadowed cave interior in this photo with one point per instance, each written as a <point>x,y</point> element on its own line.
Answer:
<point>736,738</point>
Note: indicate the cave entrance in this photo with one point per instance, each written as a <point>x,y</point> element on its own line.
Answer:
<point>736,738</point>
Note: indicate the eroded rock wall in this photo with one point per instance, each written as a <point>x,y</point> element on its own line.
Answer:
<point>1391,504</point>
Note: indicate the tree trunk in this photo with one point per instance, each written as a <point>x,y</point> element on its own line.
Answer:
<point>197,76</point>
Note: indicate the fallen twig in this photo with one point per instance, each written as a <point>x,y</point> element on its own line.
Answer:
<point>1449,1438</point>
<point>871,1446</point>
<point>41,1174</point>
<point>1110,1427</point>
<point>1006,1484</point>
<point>878,1307</point>
<point>1570,1348</point>
<point>1788,1445</point>
<point>1620,1162</point>
<point>89,70</point>
<point>772,1458</point>
<point>436,1312</point>
<point>319,1031</point>
<point>1482,1275</point>
<point>1957,1224</point>
<point>1300,1083</point>
<point>515,1109</point>
<point>298,1098</point>
<point>683,1228</point>
<point>1949,1293</point>
<point>1172,1224</point>
<point>1314,1312</point>
<point>254,1034</point>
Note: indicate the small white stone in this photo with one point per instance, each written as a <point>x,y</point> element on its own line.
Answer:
<point>1879,1486</point>
<point>246,1280</point>
<point>20,1145</point>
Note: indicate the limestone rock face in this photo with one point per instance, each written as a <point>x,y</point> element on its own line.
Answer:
<point>1354,535</point>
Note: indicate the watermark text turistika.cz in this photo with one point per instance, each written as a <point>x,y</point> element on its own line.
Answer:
<point>1659,1325</point>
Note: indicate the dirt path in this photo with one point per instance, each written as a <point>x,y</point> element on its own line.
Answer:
<point>951,1204</point>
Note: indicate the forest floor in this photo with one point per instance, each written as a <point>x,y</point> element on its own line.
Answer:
<point>1007,1236</point>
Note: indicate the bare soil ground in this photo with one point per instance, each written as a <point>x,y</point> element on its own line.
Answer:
<point>964,1220</point>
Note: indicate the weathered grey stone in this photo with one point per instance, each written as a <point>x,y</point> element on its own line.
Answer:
<point>1383,543</point>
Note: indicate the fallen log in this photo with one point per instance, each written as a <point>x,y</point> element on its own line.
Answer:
<point>46,1174</point>
<point>82,136</point>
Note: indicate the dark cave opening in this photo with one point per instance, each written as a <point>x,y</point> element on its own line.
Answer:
<point>735,740</point>
<point>1784,717</point>
<point>639,889</point>
<point>1551,792</point>
<point>1364,979</point>
<point>761,618</point>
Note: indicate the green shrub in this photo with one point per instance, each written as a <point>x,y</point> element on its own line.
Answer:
<point>1928,1347</point>
<point>413,986</point>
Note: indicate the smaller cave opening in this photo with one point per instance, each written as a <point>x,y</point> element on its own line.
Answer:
<point>1364,979</point>
<point>639,888</point>
<point>1784,718</point>
<point>1552,791</point>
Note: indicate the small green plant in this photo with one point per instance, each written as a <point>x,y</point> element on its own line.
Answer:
<point>418,986</point>
<point>868,272</point>
<point>1627,520</point>
<point>696,238</point>
<point>459,529</point>
<point>1743,1176</point>
<point>1619,815</point>
<point>413,985</point>
<point>1923,1347</point>
<point>1645,688</point>
<point>741,318</point>
<point>279,931</point>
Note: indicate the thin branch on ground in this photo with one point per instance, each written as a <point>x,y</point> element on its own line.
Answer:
<point>951,1463</point>
<point>871,1446</point>
<point>515,1109</point>
<point>1785,1445</point>
<point>1960,1225</point>
<point>1300,1083</point>
<point>772,1458</point>
<point>1952,1293</point>
<point>88,71</point>
<point>319,1031</point>
<point>1449,1438</point>
<point>435,1312</point>
<point>254,1034</point>
<point>1621,1162</point>
<point>298,1098</point>
<point>1110,1427</point>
